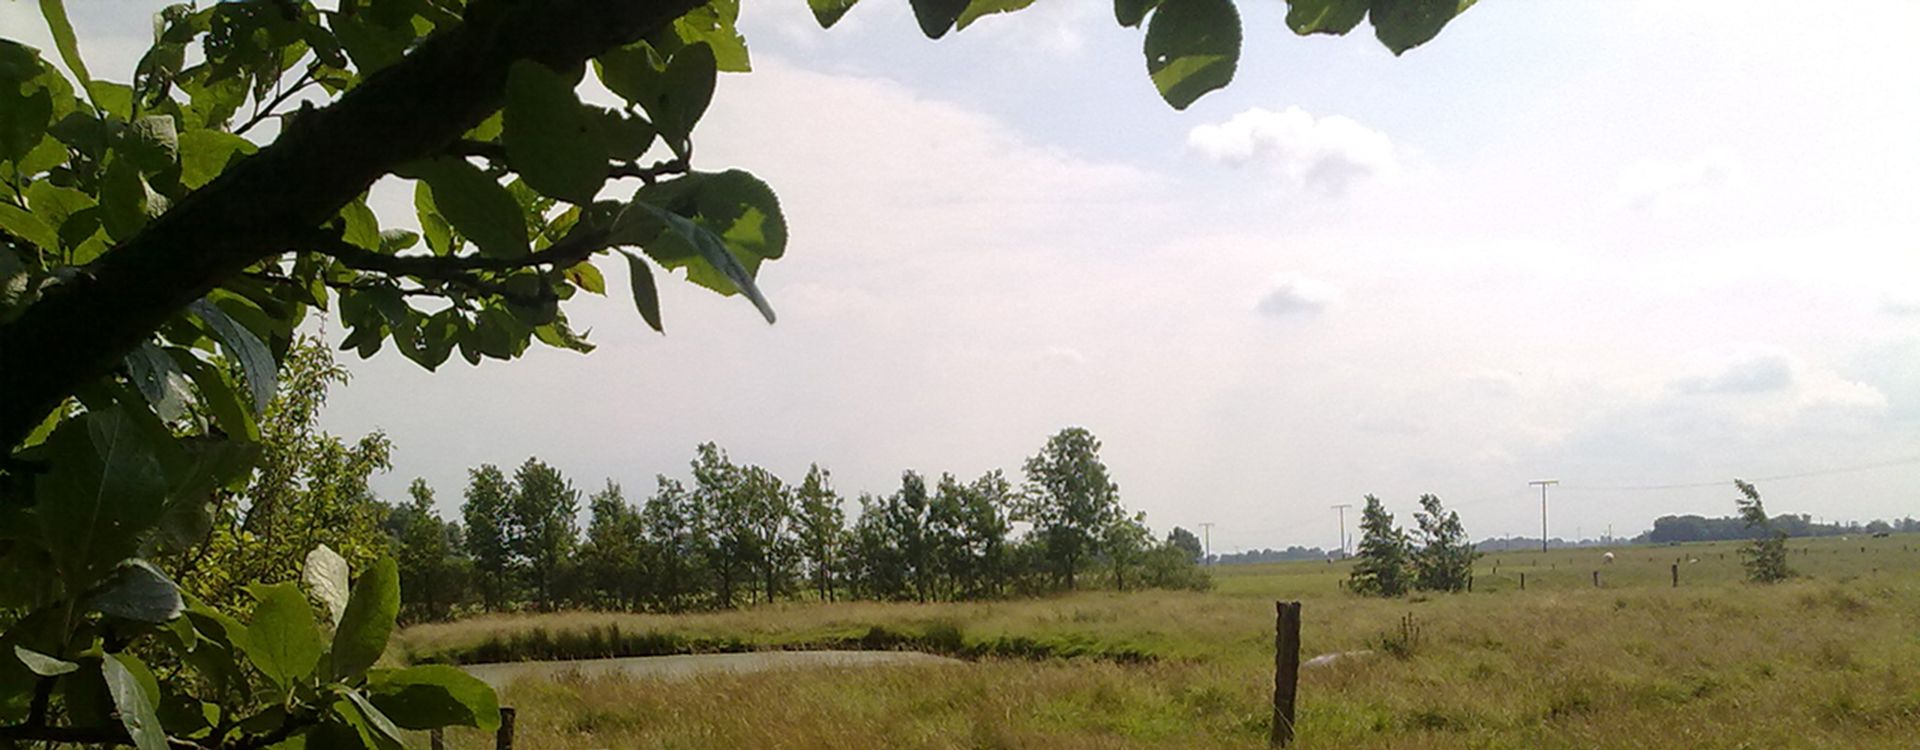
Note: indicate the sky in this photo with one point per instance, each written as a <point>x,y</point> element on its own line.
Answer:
<point>1619,244</point>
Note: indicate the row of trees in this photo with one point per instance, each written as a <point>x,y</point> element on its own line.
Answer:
<point>1694,528</point>
<point>737,534</point>
<point>1390,563</point>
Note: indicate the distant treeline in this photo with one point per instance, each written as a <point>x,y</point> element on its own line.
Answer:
<point>1692,528</point>
<point>739,534</point>
<point>1289,554</point>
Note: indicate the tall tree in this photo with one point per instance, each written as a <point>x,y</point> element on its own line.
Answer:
<point>679,544</point>
<point>1381,568</point>
<point>1186,541</point>
<point>727,512</point>
<point>1070,499</point>
<point>990,500</point>
<point>614,555</point>
<point>822,529</point>
<point>1124,543</point>
<point>770,510</point>
<point>543,510</point>
<point>432,574</point>
<point>906,525</point>
<point>488,516</point>
<point>1766,556</point>
<point>1444,561</point>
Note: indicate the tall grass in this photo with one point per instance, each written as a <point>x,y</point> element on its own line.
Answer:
<point>1830,659</point>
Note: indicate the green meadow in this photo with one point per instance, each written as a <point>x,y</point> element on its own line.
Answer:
<point>1828,659</point>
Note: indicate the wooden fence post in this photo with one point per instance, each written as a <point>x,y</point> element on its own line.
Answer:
<point>1596,579</point>
<point>1286,670</point>
<point>1469,584</point>
<point>1523,582</point>
<point>437,739</point>
<point>503,740</point>
<point>1676,575</point>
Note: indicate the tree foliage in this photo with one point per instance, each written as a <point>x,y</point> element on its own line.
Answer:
<point>1444,560</point>
<point>1069,499</point>
<point>1766,556</point>
<point>750,537</point>
<point>1382,567</point>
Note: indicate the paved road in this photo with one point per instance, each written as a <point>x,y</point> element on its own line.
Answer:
<point>684,666</point>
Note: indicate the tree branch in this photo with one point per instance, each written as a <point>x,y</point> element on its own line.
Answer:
<point>261,207</point>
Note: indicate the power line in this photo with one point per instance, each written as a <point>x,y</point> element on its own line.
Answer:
<point>1724,482</point>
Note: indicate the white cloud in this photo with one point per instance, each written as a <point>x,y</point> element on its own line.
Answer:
<point>1665,186</point>
<point>1901,303</point>
<point>1294,294</point>
<point>1326,154</point>
<point>1752,372</point>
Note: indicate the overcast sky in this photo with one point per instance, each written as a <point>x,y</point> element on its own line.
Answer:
<point>1615,243</point>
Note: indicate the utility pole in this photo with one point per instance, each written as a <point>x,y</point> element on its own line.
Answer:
<point>1206,534</point>
<point>1343,527</point>
<point>1544,484</point>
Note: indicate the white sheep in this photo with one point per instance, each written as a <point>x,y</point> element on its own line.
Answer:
<point>1607,559</point>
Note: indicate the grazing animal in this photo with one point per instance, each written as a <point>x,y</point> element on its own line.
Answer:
<point>1607,558</point>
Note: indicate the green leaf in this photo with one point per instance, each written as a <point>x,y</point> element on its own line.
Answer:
<point>548,137</point>
<point>134,694</point>
<point>829,12</point>
<point>255,361</point>
<point>645,295</point>
<point>1192,48</point>
<point>1131,12</point>
<point>123,198</point>
<point>433,227</point>
<point>283,640</point>
<point>23,118</point>
<point>28,227</point>
<point>371,45</point>
<point>979,8</point>
<point>384,733</point>
<point>712,249</point>
<point>113,98</point>
<point>362,227</point>
<point>210,463</point>
<point>152,142</point>
<point>434,695</point>
<point>687,89</point>
<point>218,396</point>
<point>326,575</point>
<point>204,154</point>
<point>375,729</point>
<point>63,39</point>
<point>936,17</point>
<point>364,630</point>
<point>54,205</point>
<point>42,664</point>
<point>480,208</point>
<point>140,592</point>
<point>622,137</point>
<point>1405,24</point>
<point>104,487</point>
<point>713,25</point>
<point>156,375</point>
<point>1325,16</point>
<point>633,73</point>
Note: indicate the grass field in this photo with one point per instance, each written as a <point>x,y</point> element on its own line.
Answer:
<point>1830,659</point>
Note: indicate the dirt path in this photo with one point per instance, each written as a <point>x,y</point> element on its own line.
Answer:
<point>684,666</point>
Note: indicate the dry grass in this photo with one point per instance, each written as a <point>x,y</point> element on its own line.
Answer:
<point>1828,660</point>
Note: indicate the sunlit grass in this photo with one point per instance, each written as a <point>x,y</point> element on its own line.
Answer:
<point>1831,659</point>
